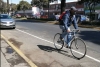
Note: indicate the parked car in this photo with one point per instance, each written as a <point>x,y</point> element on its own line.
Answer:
<point>82,18</point>
<point>6,21</point>
<point>17,15</point>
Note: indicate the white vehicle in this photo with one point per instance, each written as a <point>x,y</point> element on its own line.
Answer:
<point>33,13</point>
<point>6,21</point>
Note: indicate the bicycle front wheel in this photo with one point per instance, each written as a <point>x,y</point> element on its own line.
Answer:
<point>58,42</point>
<point>78,48</point>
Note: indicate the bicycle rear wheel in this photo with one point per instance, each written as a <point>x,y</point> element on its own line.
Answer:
<point>78,48</point>
<point>58,42</point>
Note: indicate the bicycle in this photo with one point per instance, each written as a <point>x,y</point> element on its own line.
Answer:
<point>76,44</point>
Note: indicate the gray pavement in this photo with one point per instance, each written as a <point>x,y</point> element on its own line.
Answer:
<point>35,41</point>
<point>9,58</point>
<point>4,62</point>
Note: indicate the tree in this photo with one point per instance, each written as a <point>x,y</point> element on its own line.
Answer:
<point>41,3</point>
<point>90,4</point>
<point>8,6</point>
<point>3,7</point>
<point>13,7</point>
<point>1,1</point>
<point>63,5</point>
<point>23,5</point>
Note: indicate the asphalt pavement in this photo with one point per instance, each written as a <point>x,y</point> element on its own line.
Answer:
<point>35,40</point>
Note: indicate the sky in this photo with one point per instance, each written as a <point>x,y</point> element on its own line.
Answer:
<point>17,1</point>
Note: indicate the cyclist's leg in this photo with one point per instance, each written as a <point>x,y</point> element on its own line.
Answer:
<point>63,33</point>
<point>69,37</point>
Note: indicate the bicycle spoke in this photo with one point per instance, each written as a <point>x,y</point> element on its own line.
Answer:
<point>78,48</point>
<point>58,43</point>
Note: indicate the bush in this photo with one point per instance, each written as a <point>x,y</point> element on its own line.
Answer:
<point>85,23</point>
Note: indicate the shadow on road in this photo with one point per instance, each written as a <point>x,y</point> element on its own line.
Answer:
<point>92,36</point>
<point>50,49</point>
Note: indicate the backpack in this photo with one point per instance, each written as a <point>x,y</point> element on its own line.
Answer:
<point>61,18</point>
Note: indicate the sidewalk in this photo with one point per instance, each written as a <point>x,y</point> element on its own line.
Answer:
<point>4,62</point>
<point>9,58</point>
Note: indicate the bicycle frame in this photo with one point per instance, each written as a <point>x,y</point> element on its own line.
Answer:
<point>73,34</point>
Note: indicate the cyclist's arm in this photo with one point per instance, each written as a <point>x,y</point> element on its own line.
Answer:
<point>65,20</point>
<point>75,23</point>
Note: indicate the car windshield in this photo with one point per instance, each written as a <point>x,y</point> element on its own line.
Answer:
<point>5,17</point>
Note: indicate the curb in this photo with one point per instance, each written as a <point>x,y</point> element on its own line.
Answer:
<point>19,52</point>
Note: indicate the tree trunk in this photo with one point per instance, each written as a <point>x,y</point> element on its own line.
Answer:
<point>63,5</point>
<point>90,12</point>
<point>24,13</point>
<point>48,9</point>
<point>8,6</point>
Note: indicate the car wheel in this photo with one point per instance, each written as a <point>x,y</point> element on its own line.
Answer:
<point>13,27</point>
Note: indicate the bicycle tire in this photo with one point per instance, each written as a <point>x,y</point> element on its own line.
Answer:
<point>59,38</point>
<point>82,51</point>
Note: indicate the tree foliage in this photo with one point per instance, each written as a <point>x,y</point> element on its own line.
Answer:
<point>90,4</point>
<point>89,1</point>
<point>13,7</point>
<point>3,6</point>
<point>41,3</point>
<point>1,1</point>
<point>23,5</point>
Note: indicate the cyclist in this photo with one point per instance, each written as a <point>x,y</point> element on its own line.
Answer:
<point>68,19</point>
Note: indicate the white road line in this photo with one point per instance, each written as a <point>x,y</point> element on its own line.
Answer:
<point>52,43</point>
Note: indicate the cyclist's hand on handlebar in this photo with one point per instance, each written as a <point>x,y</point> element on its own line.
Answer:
<point>68,31</point>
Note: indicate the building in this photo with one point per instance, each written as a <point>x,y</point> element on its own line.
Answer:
<point>33,12</point>
<point>56,8</point>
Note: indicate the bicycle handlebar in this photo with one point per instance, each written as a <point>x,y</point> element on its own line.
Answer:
<point>75,30</point>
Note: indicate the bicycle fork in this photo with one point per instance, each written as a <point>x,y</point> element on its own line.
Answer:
<point>76,44</point>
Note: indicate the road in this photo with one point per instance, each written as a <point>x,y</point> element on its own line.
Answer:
<point>35,40</point>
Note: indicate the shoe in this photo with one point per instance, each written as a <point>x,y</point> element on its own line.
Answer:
<point>68,47</point>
